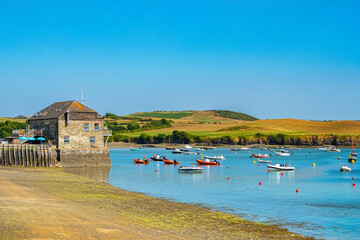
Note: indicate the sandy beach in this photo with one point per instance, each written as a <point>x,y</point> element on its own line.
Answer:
<point>47,203</point>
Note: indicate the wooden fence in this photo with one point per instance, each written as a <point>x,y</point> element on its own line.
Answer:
<point>27,155</point>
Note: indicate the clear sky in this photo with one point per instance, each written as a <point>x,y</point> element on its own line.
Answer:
<point>270,59</point>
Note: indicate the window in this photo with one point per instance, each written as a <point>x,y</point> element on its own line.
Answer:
<point>86,126</point>
<point>96,126</point>
<point>66,139</point>
<point>92,139</point>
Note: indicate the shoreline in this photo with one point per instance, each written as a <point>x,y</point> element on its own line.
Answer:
<point>160,145</point>
<point>50,203</point>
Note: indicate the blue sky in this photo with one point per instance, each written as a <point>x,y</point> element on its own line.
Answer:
<point>270,59</point>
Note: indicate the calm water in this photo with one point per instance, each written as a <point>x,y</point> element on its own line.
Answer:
<point>327,206</point>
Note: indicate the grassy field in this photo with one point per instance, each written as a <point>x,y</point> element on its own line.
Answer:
<point>3,119</point>
<point>292,127</point>
<point>169,115</point>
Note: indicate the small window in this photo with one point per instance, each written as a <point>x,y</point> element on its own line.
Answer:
<point>96,126</point>
<point>92,139</point>
<point>86,126</point>
<point>66,139</point>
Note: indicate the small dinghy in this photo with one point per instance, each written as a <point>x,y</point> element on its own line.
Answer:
<point>200,149</point>
<point>177,151</point>
<point>260,155</point>
<point>334,150</point>
<point>283,153</point>
<point>264,161</point>
<point>283,167</point>
<point>158,158</point>
<point>190,169</point>
<point>141,161</point>
<point>207,162</point>
<point>174,162</point>
<point>221,157</point>
<point>190,153</point>
<point>345,169</point>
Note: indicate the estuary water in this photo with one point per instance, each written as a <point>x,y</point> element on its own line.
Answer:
<point>326,206</point>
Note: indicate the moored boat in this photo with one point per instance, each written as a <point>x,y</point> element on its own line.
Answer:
<point>264,161</point>
<point>283,153</point>
<point>207,162</point>
<point>190,169</point>
<point>174,162</point>
<point>177,151</point>
<point>260,155</point>
<point>158,158</point>
<point>333,149</point>
<point>190,153</point>
<point>209,147</point>
<point>141,161</point>
<point>200,149</point>
<point>221,157</point>
<point>284,167</point>
<point>345,169</point>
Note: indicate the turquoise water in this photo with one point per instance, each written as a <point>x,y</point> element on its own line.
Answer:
<point>327,205</point>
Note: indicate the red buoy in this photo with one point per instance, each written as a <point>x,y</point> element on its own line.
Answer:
<point>155,170</point>
<point>353,178</point>
<point>201,171</point>
<point>144,157</point>
<point>297,190</point>
<point>259,183</point>
<point>227,167</point>
<point>354,184</point>
<point>282,173</point>
<point>258,164</point>
<point>228,178</point>
<point>268,170</point>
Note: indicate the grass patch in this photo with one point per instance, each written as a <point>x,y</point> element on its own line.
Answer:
<point>169,115</point>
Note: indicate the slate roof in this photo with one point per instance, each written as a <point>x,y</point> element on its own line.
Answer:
<point>58,109</point>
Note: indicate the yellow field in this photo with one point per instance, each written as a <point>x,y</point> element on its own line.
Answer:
<point>271,126</point>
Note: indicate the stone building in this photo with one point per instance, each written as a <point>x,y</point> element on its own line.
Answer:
<point>76,131</point>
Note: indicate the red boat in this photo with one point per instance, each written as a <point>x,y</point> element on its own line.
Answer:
<point>141,161</point>
<point>260,156</point>
<point>166,161</point>
<point>201,162</point>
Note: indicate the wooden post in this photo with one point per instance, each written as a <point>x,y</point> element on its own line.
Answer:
<point>15,155</point>
<point>1,155</point>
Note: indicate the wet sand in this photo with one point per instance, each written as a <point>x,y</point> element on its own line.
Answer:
<point>47,203</point>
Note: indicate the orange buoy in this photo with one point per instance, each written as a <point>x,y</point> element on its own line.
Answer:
<point>258,165</point>
<point>144,157</point>
<point>228,178</point>
<point>260,183</point>
<point>297,190</point>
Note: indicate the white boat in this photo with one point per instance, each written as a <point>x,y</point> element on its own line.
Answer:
<point>295,148</point>
<point>244,148</point>
<point>283,153</point>
<point>190,153</point>
<point>345,169</point>
<point>177,151</point>
<point>200,149</point>
<point>322,149</point>
<point>264,161</point>
<point>187,146</point>
<point>221,157</point>
<point>190,169</point>
<point>284,167</point>
<point>334,149</point>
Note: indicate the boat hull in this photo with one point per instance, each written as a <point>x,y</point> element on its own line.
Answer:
<point>200,162</point>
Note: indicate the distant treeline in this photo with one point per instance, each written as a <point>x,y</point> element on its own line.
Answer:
<point>235,115</point>
<point>134,126</point>
<point>8,126</point>
<point>258,138</point>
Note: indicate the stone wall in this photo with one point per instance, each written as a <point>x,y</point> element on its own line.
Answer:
<point>84,158</point>
<point>50,127</point>
<point>79,138</point>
